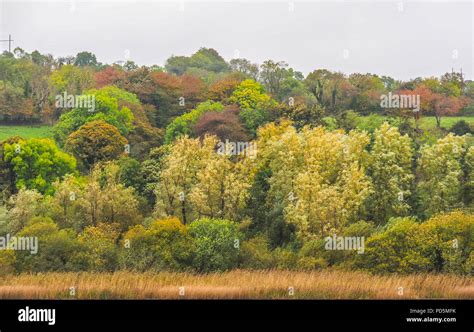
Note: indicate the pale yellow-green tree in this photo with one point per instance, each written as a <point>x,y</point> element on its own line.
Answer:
<point>391,171</point>
<point>332,186</point>
<point>179,175</point>
<point>91,199</point>
<point>25,205</point>
<point>281,149</point>
<point>470,177</point>
<point>440,175</point>
<point>119,203</point>
<point>317,176</point>
<point>105,199</point>
<point>63,206</point>
<point>197,180</point>
<point>222,187</point>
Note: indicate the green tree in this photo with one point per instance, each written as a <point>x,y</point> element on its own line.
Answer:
<point>217,244</point>
<point>71,79</point>
<point>205,59</point>
<point>272,74</point>
<point>85,59</point>
<point>37,163</point>
<point>109,107</point>
<point>250,95</point>
<point>254,103</point>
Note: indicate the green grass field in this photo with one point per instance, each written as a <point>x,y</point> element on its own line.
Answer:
<point>25,131</point>
<point>446,122</point>
<point>428,122</point>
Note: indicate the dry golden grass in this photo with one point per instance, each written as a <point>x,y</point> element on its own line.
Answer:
<point>238,284</point>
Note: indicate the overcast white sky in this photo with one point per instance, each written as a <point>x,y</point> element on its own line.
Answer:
<point>418,39</point>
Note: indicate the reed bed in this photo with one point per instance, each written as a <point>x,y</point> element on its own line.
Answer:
<point>237,284</point>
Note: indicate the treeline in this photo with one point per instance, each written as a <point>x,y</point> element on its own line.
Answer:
<point>206,165</point>
<point>271,211</point>
<point>29,83</point>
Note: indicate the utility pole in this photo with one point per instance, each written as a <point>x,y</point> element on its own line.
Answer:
<point>9,40</point>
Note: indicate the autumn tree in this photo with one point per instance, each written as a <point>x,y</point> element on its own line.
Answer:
<point>64,205</point>
<point>98,251</point>
<point>183,125</point>
<point>108,76</point>
<point>222,89</point>
<point>224,125</point>
<point>119,203</point>
<point>165,245</point>
<point>192,90</point>
<point>96,141</point>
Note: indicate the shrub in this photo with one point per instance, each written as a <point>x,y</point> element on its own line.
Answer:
<point>314,253</point>
<point>164,245</point>
<point>451,241</point>
<point>255,254</point>
<point>360,228</point>
<point>311,263</point>
<point>285,258</point>
<point>398,248</point>
<point>217,244</point>
<point>460,128</point>
<point>441,244</point>
<point>347,120</point>
<point>98,252</point>
<point>56,247</point>
<point>7,262</point>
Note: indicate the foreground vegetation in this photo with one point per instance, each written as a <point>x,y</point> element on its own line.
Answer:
<point>238,284</point>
